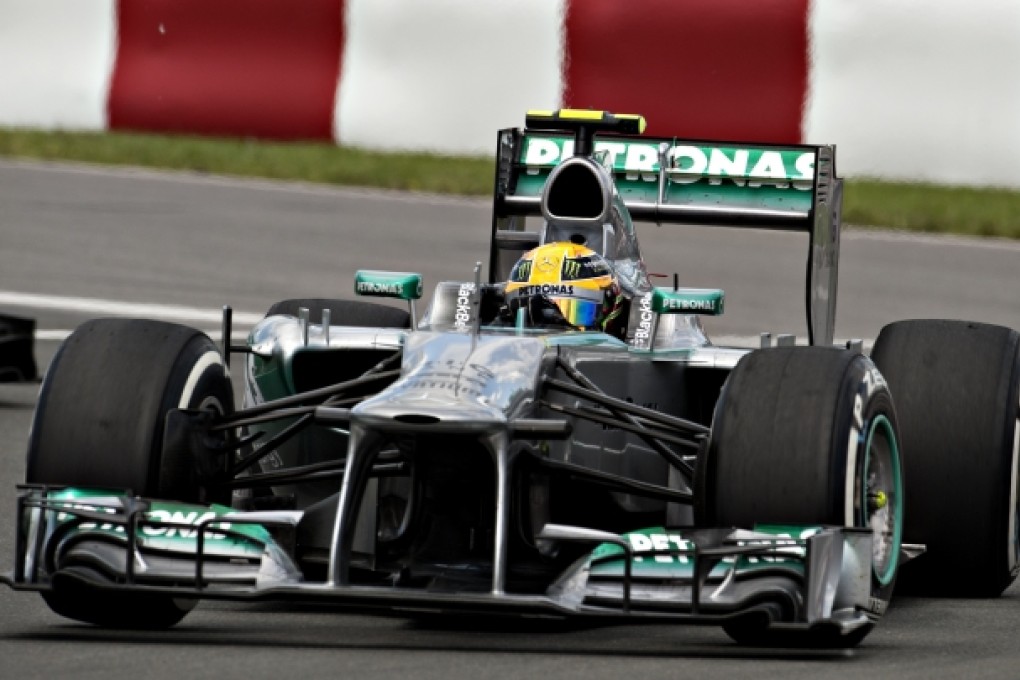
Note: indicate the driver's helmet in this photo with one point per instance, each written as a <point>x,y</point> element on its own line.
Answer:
<point>564,284</point>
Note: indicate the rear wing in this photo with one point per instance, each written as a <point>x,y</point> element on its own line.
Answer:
<point>697,182</point>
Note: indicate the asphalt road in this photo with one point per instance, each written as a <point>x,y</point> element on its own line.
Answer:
<point>77,242</point>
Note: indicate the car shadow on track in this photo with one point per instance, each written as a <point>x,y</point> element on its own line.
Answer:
<point>463,634</point>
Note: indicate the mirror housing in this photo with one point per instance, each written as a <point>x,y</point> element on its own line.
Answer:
<point>400,285</point>
<point>708,301</point>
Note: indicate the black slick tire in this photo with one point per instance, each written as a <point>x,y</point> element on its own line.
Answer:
<point>791,444</point>
<point>99,423</point>
<point>957,391</point>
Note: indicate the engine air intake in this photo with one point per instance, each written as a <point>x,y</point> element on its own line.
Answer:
<point>576,192</point>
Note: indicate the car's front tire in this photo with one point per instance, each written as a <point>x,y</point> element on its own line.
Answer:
<point>806,436</point>
<point>99,423</point>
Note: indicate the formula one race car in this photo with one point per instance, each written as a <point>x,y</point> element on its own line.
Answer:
<point>560,438</point>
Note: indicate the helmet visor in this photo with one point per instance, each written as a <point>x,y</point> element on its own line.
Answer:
<point>578,313</point>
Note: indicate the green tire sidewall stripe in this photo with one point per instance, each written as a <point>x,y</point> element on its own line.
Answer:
<point>886,577</point>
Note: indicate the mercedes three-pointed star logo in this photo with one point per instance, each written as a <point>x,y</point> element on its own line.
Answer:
<point>548,263</point>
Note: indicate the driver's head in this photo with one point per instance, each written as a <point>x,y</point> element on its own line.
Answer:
<point>563,284</point>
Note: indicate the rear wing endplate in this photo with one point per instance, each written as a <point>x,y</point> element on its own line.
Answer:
<point>697,182</point>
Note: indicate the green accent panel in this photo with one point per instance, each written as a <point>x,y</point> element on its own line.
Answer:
<point>896,495</point>
<point>250,541</point>
<point>688,301</point>
<point>271,378</point>
<point>680,564</point>
<point>400,285</point>
<point>697,174</point>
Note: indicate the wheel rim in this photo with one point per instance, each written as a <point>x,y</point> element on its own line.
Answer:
<point>882,497</point>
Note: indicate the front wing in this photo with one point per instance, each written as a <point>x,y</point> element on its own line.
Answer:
<point>800,578</point>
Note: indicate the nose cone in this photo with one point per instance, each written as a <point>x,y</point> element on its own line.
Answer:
<point>457,383</point>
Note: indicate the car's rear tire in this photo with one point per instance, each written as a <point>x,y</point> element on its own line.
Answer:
<point>957,391</point>
<point>345,312</point>
<point>99,423</point>
<point>805,436</point>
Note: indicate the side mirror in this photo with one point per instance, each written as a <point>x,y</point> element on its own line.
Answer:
<point>708,301</point>
<point>400,285</point>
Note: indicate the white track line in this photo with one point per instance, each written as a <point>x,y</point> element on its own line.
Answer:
<point>99,306</point>
<point>61,334</point>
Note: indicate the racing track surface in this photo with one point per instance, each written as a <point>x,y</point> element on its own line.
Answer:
<point>73,235</point>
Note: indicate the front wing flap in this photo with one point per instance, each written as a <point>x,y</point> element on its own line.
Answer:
<point>139,542</point>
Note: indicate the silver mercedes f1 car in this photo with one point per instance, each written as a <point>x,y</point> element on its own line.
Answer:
<point>556,436</point>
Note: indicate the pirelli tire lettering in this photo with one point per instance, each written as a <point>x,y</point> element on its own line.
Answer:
<point>871,382</point>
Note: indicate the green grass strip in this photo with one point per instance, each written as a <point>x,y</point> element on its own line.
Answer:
<point>974,211</point>
<point>305,161</point>
<point>891,205</point>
